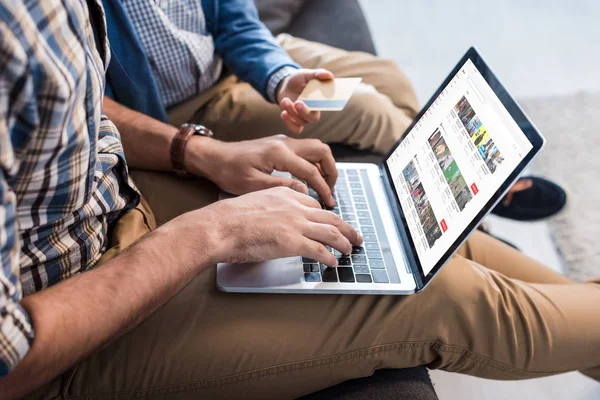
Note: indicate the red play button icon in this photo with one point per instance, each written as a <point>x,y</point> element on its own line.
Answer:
<point>474,189</point>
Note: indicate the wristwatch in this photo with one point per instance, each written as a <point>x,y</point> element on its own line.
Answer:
<point>180,141</point>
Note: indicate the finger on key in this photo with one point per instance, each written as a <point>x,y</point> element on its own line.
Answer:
<point>316,152</point>
<point>308,172</point>
<point>328,235</point>
<point>317,251</point>
<point>329,218</point>
<point>306,200</point>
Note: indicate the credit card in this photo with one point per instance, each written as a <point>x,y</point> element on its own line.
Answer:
<point>332,95</point>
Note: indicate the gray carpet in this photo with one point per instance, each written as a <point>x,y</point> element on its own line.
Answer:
<point>571,125</point>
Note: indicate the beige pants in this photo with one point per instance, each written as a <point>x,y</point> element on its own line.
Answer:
<point>491,312</point>
<point>379,112</point>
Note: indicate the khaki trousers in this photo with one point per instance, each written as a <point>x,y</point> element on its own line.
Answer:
<point>378,113</point>
<point>491,312</point>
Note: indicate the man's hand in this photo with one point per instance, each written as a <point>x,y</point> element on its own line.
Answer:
<point>295,114</point>
<point>244,167</point>
<point>275,223</point>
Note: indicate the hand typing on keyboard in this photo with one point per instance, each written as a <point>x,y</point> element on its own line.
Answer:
<point>244,167</point>
<point>365,263</point>
<point>275,223</point>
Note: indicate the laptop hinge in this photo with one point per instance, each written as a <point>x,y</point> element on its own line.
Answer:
<point>411,262</point>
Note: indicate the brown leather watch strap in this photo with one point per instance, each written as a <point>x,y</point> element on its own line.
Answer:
<point>178,148</point>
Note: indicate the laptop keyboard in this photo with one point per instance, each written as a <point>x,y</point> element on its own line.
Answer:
<point>366,264</point>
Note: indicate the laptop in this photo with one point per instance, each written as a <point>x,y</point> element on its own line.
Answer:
<point>454,163</point>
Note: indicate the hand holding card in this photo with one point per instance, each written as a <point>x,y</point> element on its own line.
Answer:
<point>295,114</point>
<point>331,95</point>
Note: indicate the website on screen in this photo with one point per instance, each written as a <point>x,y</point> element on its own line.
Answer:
<point>452,162</point>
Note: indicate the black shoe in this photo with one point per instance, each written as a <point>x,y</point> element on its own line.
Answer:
<point>542,200</point>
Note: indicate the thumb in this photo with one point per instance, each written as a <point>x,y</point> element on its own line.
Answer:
<point>270,181</point>
<point>323,74</point>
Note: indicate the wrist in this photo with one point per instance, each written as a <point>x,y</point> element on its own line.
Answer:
<point>200,156</point>
<point>277,82</point>
<point>193,238</point>
<point>278,90</point>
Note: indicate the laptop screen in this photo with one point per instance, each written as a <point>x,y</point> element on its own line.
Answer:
<point>453,160</point>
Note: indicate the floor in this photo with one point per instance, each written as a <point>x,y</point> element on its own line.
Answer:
<point>537,48</point>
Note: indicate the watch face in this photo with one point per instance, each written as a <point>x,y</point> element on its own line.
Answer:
<point>195,126</point>
<point>198,129</point>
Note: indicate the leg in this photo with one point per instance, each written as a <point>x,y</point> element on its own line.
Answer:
<point>378,113</point>
<point>181,194</point>
<point>384,75</point>
<point>209,344</point>
<point>486,250</point>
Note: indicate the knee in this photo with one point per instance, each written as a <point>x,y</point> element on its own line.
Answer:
<point>475,306</point>
<point>387,75</point>
<point>368,105</point>
<point>404,95</point>
<point>462,298</point>
<point>376,123</point>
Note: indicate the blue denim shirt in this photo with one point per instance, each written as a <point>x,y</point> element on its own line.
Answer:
<point>241,39</point>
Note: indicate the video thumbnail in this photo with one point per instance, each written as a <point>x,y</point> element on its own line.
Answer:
<point>479,135</point>
<point>427,218</point>
<point>450,170</point>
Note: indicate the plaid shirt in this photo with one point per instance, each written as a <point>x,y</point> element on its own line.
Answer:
<point>190,66</point>
<point>63,176</point>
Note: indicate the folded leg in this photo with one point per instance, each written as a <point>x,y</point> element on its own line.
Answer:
<point>471,319</point>
<point>374,119</point>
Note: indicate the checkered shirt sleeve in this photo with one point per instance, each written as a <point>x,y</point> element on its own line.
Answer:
<point>16,331</point>
<point>63,175</point>
<point>276,79</point>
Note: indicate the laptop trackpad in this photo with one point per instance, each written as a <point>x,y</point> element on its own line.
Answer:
<point>272,273</point>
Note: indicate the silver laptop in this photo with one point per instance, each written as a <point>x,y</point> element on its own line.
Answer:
<point>454,163</point>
